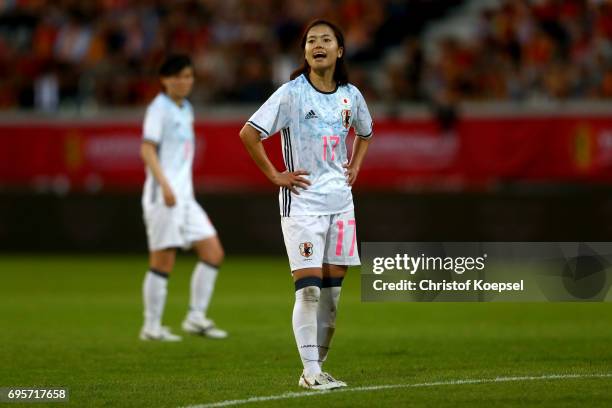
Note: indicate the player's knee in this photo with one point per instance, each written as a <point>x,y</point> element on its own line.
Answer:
<point>219,255</point>
<point>214,257</point>
<point>162,264</point>
<point>311,293</point>
<point>161,268</point>
<point>308,289</point>
<point>212,253</point>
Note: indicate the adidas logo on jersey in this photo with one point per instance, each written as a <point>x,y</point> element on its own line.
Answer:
<point>311,115</point>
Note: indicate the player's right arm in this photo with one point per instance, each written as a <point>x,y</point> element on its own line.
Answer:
<point>148,152</point>
<point>271,117</point>
<point>152,130</point>
<point>252,141</point>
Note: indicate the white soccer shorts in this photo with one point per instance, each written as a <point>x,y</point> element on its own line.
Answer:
<point>312,240</point>
<point>176,227</point>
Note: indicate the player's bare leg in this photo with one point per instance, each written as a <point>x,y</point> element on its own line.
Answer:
<point>163,260</point>
<point>210,254</point>
<point>210,250</point>
<point>154,292</point>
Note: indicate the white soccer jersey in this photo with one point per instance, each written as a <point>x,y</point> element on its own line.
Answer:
<point>314,126</point>
<point>170,127</point>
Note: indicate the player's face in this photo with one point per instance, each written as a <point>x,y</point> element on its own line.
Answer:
<point>179,86</point>
<point>321,49</point>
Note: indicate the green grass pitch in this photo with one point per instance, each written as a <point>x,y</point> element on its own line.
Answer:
<point>73,322</point>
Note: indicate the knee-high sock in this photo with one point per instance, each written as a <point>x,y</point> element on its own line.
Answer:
<point>203,281</point>
<point>304,320</point>
<point>154,290</point>
<point>326,315</point>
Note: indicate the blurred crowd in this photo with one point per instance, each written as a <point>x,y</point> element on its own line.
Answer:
<point>535,50</point>
<point>105,52</point>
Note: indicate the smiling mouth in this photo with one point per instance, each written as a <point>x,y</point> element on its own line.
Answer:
<point>319,55</point>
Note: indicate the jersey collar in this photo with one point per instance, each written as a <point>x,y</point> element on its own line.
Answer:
<point>317,89</point>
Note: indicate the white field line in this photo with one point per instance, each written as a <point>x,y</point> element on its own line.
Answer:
<point>290,395</point>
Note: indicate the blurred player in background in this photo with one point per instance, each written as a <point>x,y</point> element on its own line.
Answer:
<point>314,112</point>
<point>172,216</point>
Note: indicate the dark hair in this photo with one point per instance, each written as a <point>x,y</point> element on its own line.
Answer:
<point>340,73</point>
<point>173,64</point>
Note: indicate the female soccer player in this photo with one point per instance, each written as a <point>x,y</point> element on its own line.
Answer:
<point>172,216</point>
<point>314,112</point>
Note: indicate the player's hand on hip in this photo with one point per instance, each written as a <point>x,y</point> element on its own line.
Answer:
<point>292,180</point>
<point>351,173</point>
<point>169,198</point>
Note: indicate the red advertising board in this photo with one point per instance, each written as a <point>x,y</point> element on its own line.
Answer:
<point>404,154</point>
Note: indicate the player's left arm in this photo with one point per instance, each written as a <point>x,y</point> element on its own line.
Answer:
<point>351,169</point>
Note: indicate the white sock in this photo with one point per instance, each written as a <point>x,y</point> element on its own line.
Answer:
<point>202,285</point>
<point>154,290</point>
<point>326,319</point>
<point>305,327</point>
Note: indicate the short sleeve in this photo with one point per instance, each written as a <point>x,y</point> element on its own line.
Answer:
<point>363,120</point>
<point>273,115</point>
<point>153,125</point>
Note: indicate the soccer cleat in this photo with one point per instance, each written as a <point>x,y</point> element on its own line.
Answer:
<point>163,334</point>
<point>320,382</point>
<point>203,327</point>
<point>339,382</point>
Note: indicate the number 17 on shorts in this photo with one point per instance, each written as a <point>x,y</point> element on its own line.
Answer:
<point>312,240</point>
<point>341,243</point>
